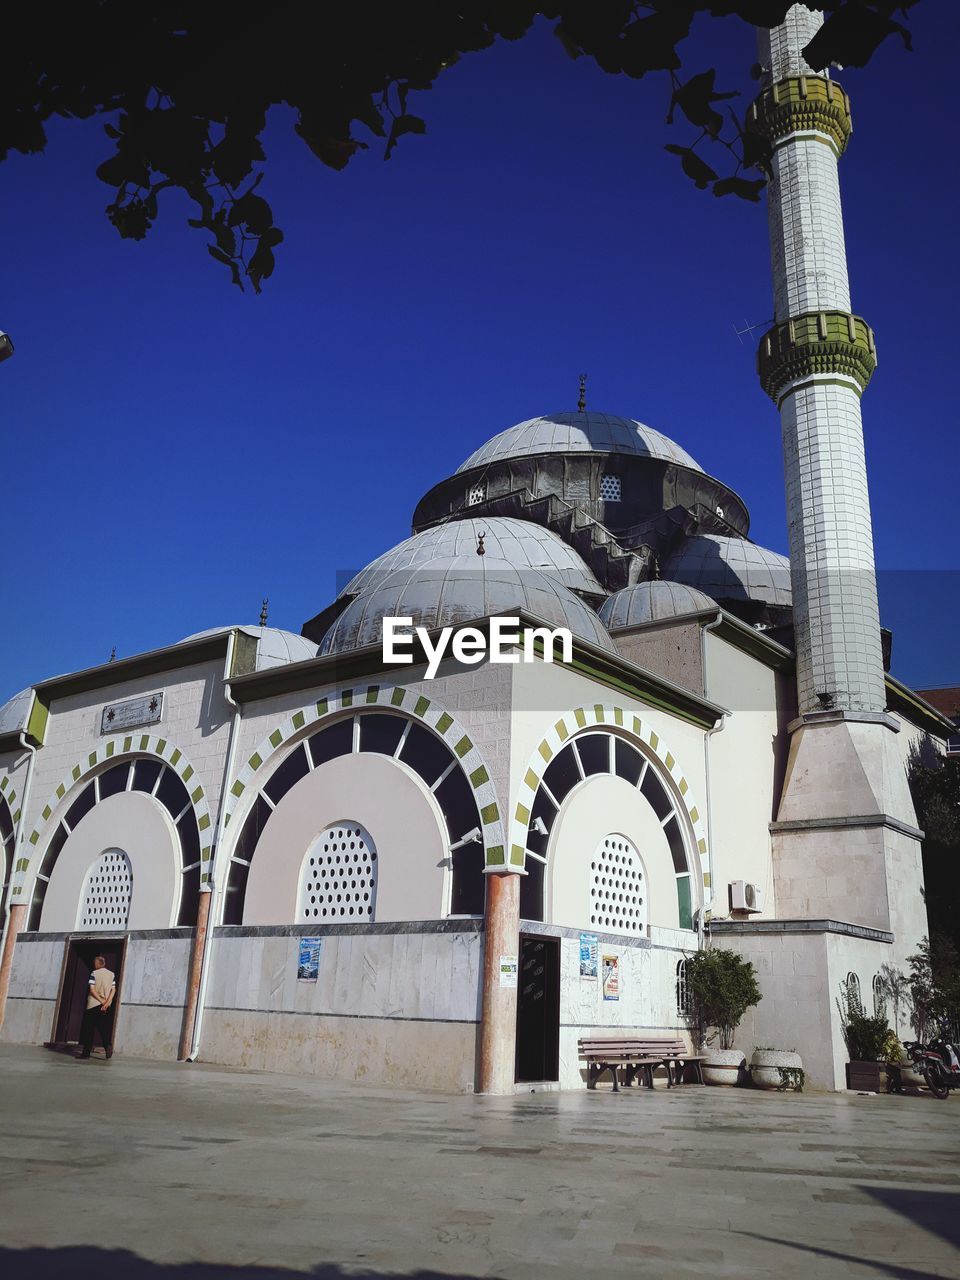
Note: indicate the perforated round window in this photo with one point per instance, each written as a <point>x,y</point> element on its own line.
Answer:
<point>618,887</point>
<point>610,490</point>
<point>339,878</point>
<point>106,900</point>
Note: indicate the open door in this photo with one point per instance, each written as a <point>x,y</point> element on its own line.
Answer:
<point>538,1009</point>
<point>72,1000</point>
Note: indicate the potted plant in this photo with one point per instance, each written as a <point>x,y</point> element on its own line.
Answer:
<point>870,1042</point>
<point>722,987</point>
<point>777,1069</point>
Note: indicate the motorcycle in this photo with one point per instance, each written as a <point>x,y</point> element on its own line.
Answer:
<point>938,1063</point>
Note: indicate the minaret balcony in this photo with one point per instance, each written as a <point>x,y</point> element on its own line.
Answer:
<point>812,105</point>
<point>816,344</point>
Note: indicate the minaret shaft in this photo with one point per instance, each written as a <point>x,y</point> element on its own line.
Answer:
<point>815,364</point>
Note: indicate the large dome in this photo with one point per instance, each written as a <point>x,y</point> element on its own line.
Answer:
<point>652,602</point>
<point>453,590</point>
<point>579,433</point>
<point>521,543</point>
<point>275,647</point>
<point>730,569</point>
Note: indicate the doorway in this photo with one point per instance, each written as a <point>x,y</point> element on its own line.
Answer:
<point>538,1009</point>
<point>72,1000</point>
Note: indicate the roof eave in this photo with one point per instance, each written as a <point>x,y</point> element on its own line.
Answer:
<point>904,700</point>
<point>600,664</point>
<point>153,662</point>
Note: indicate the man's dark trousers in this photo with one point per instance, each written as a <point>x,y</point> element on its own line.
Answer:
<point>95,1020</point>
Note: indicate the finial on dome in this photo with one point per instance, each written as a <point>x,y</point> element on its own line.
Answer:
<point>582,402</point>
<point>113,654</point>
<point>263,611</point>
<point>481,549</point>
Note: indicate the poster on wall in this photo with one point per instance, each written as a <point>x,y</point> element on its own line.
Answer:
<point>508,971</point>
<point>308,960</point>
<point>588,956</point>
<point>611,977</point>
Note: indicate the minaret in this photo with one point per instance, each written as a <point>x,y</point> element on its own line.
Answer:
<point>845,839</point>
<point>815,364</point>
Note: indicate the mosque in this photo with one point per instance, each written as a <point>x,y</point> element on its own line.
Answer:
<point>300,858</point>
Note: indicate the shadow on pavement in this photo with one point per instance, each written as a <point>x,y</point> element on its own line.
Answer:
<point>936,1211</point>
<point>876,1266</point>
<point>87,1262</point>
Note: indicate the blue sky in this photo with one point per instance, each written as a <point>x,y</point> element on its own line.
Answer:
<point>174,450</point>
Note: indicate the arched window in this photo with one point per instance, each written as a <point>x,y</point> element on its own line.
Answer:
<point>339,876</point>
<point>153,777</point>
<point>618,887</point>
<point>879,997</point>
<point>854,997</point>
<point>598,752</point>
<point>105,903</point>
<point>404,740</point>
<point>477,493</point>
<point>683,990</point>
<point>6,853</point>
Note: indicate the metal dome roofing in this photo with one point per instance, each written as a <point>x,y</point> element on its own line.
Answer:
<point>16,711</point>
<point>585,432</point>
<point>730,569</point>
<point>520,543</point>
<point>275,647</point>
<point>652,602</point>
<point>452,590</point>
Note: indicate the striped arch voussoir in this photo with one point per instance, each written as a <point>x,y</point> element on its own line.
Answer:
<point>260,764</point>
<point>8,796</point>
<point>113,751</point>
<point>606,716</point>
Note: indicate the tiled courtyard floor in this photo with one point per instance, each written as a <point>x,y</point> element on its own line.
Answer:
<point>198,1171</point>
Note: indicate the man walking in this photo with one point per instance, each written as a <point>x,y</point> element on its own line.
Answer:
<point>99,1015</point>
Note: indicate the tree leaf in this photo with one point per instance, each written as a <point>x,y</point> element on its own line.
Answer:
<point>214,252</point>
<point>743,187</point>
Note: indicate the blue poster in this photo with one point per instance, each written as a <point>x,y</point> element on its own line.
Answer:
<point>588,955</point>
<point>308,962</point>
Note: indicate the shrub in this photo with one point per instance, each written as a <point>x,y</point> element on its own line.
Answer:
<point>722,987</point>
<point>868,1039</point>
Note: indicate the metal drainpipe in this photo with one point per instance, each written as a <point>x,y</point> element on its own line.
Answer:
<point>206,962</point>
<point>710,626</point>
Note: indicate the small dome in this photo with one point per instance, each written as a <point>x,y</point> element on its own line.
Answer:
<point>730,569</point>
<point>275,648</point>
<point>454,590</point>
<point>652,602</point>
<point>580,433</point>
<point>15,712</point>
<point>520,543</point>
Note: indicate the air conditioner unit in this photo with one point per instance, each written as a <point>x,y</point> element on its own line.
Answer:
<point>745,896</point>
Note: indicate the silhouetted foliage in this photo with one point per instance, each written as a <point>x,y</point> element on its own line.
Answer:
<point>934,986</point>
<point>935,787</point>
<point>187,88</point>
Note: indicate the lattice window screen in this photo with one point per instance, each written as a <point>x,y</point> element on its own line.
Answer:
<point>618,887</point>
<point>339,878</point>
<point>106,898</point>
<point>476,493</point>
<point>610,490</point>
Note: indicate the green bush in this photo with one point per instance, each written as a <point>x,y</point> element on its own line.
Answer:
<point>868,1039</point>
<point>722,987</point>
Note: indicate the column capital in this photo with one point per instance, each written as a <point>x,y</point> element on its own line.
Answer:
<point>816,343</point>
<point>798,105</point>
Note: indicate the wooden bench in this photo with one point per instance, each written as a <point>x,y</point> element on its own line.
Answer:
<point>638,1056</point>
